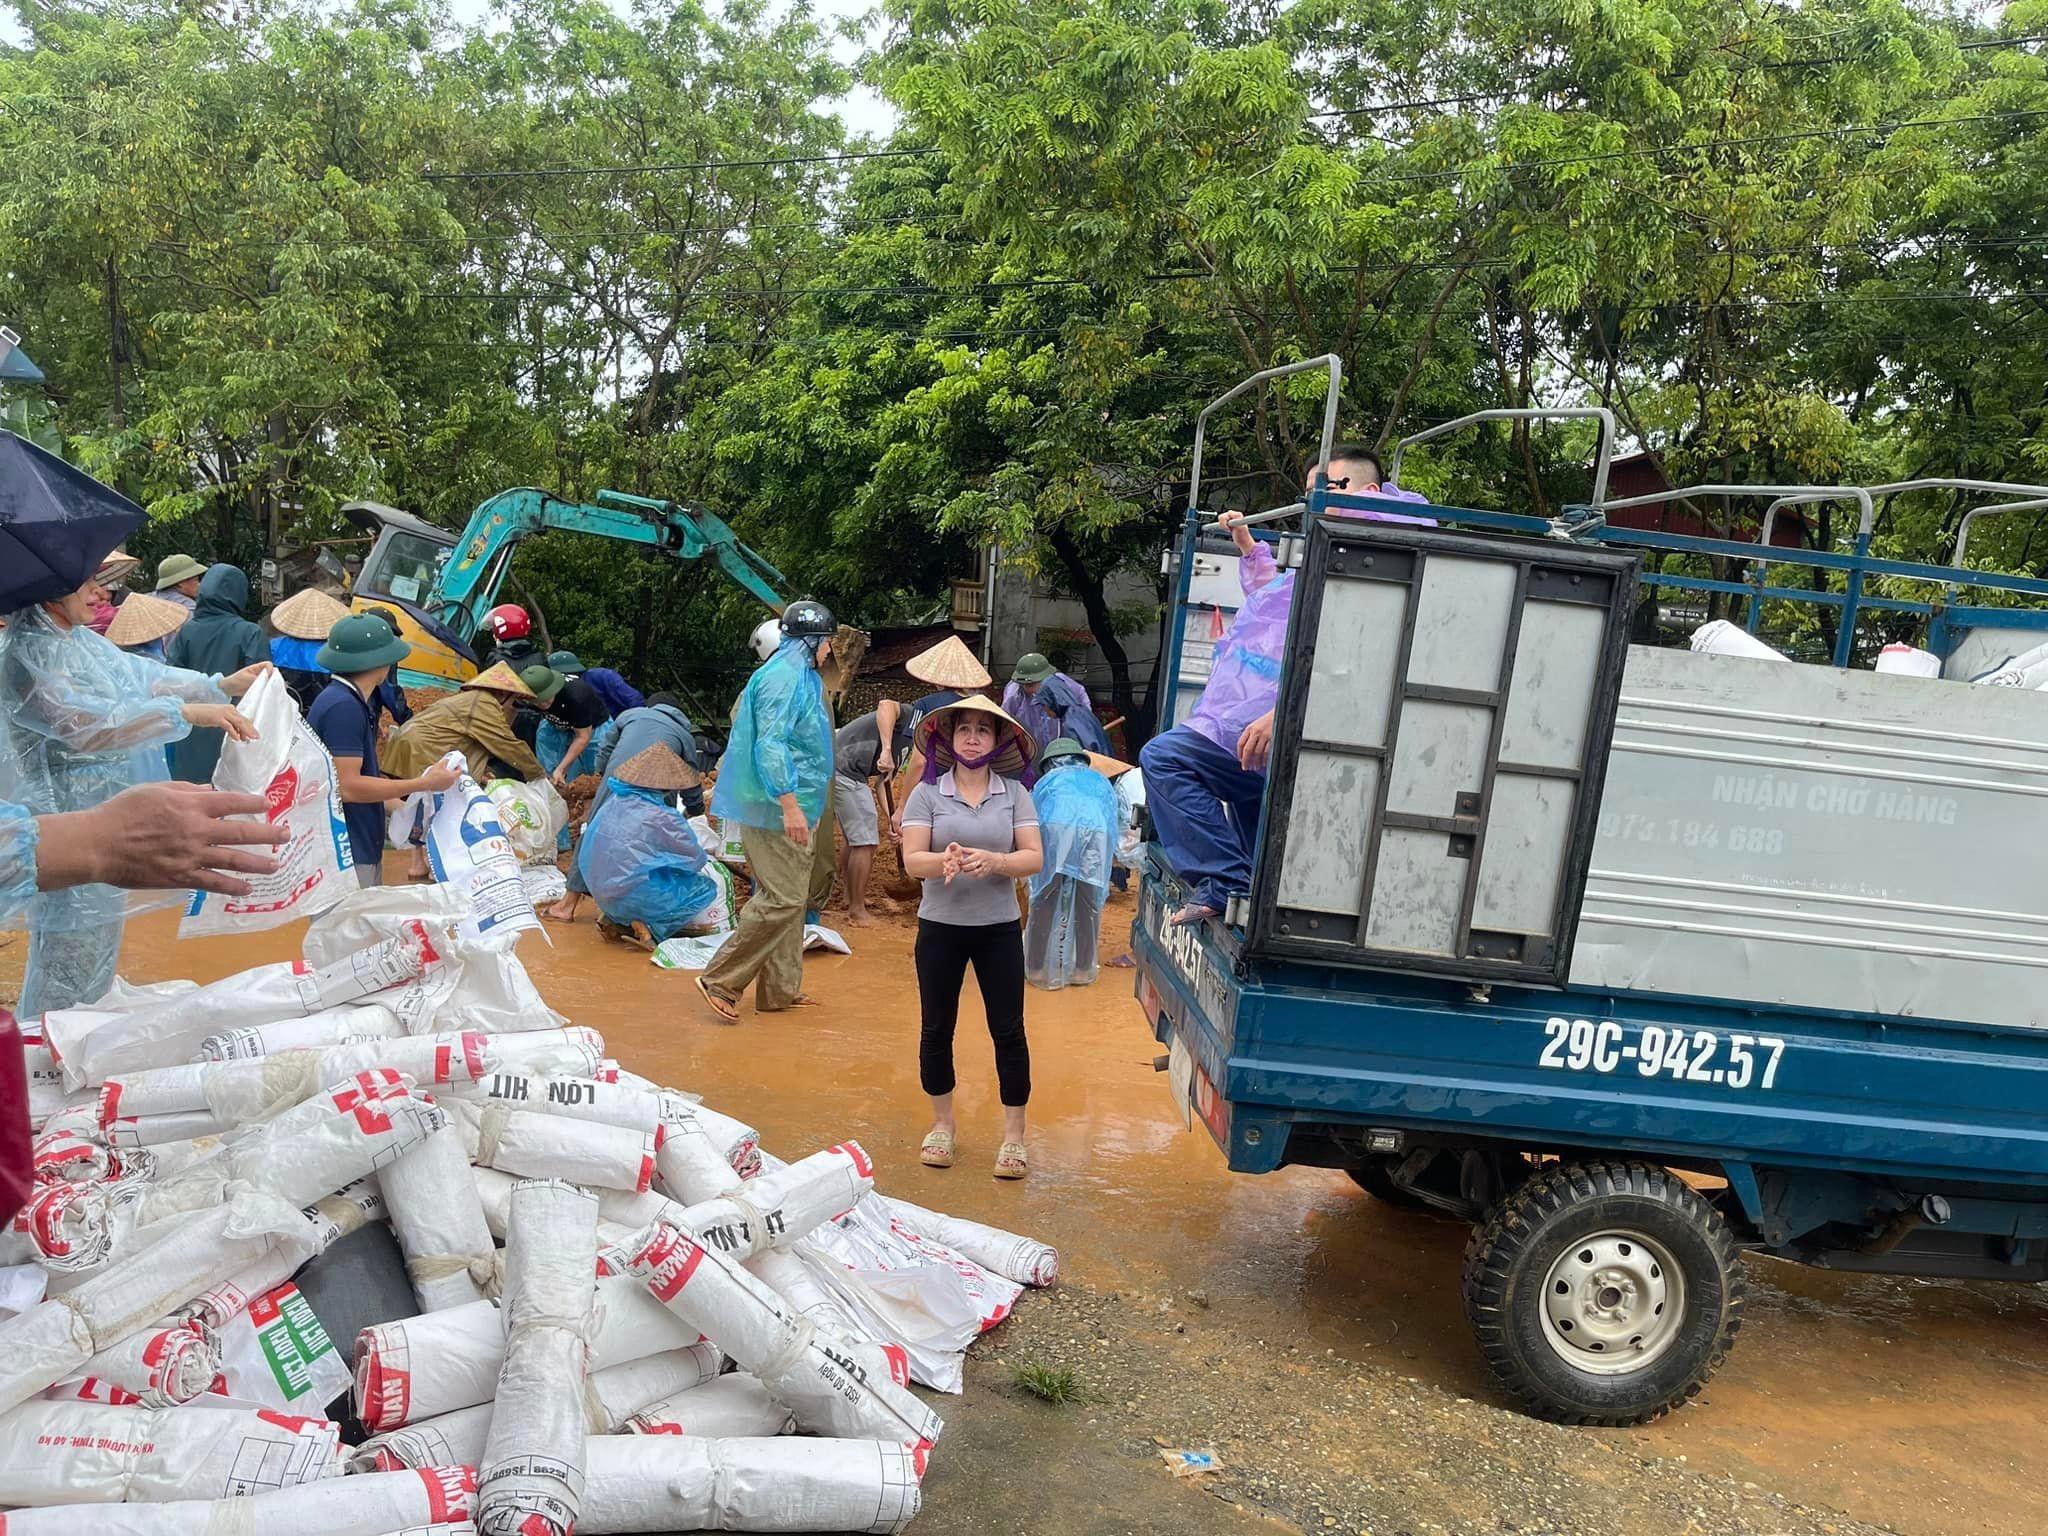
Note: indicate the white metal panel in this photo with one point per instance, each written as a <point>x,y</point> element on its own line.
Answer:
<point>1439,754</point>
<point>1328,825</point>
<point>1417,891</point>
<point>1461,622</point>
<point>1793,834</point>
<point>1357,643</point>
<point>1550,701</point>
<point>1521,866</point>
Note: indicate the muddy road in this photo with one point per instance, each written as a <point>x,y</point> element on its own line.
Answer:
<point>1310,1334</point>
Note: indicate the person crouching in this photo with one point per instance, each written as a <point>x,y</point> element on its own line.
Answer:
<point>638,856</point>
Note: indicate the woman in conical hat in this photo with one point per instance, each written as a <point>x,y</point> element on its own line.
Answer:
<point>639,857</point>
<point>970,832</point>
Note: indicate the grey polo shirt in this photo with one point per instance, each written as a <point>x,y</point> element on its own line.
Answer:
<point>971,900</point>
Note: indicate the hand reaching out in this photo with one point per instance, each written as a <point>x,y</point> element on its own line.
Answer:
<point>221,717</point>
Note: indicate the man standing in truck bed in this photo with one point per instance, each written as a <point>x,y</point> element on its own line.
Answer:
<point>1206,777</point>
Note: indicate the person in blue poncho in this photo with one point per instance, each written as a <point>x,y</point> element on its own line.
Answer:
<point>1078,824</point>
<point>639,858</point>
<point>774,782</point>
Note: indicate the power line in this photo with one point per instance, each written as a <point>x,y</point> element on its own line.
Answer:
<point>837,157</point>
<point>1470,98</point>
<point>848,156</point>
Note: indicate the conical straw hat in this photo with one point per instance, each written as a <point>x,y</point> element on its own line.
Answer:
<point>1109,767</point>
<point>307,614</point>
<point>656,768</point>
<point>142,618</point>
<point>949,664</point>
<point>116,568</point>
<point>500,679</point>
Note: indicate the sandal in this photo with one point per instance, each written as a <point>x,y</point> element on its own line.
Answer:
<point>1010,1161</point>
<point>726,1008</point>
<point>937,1151</point>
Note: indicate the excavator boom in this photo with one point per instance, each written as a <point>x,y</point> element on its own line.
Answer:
<point>441,585</point>
<point>469,583</point>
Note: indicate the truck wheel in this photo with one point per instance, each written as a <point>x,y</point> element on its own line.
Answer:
<point>1376,1178</point>
<point>1603,1293</point>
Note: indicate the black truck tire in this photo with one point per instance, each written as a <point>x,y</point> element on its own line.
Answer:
<point>1603,1293</point>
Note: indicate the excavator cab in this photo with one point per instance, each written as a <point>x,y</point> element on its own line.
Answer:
<point>400,574</point>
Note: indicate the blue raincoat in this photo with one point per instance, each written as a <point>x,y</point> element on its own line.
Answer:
<point>1079,821</point>
<point>642,862</point>
<point>84,720</point>
<point>781,743</point>
<point>618,694</point>
<point>552,738</point>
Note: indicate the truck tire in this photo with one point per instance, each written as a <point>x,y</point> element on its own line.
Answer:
<point>1603,1293</point>
<point>1376,1177</point>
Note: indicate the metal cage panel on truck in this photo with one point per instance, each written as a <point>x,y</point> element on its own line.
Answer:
<point>1438,767</point>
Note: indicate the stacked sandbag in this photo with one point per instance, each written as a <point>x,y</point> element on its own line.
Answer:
<point>628,1315</point>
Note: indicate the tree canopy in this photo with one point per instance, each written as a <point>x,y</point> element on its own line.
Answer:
<point>281,256</point>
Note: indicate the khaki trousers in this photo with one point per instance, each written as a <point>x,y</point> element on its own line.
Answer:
<point>768,945</point>
<point>825,860</point>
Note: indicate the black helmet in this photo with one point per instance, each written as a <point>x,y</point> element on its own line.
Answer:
<point>809,619</point>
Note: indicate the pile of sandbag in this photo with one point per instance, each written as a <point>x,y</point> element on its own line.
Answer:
<point>610,1309</point>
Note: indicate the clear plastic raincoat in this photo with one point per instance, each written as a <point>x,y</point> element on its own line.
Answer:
<point>642,862</point>
<point>1079,821</point>
<point>17,860</point>
<point>781,743</point>
<point>84,720</point>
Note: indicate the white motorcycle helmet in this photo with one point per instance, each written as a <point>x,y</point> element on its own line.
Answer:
<point>766,637</point>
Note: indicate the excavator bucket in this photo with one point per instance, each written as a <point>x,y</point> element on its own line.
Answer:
<point>849,650</point>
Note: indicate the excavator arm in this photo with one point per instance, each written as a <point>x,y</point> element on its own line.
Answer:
<point>482,556</point>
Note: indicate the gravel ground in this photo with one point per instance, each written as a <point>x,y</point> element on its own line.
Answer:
<point>1322,1443</point>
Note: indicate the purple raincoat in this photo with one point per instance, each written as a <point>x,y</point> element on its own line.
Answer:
<point>1244,682</point>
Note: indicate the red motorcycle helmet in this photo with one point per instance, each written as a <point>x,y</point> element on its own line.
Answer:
<point>508,621</point>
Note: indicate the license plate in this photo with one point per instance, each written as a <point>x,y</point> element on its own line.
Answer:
<point>1182,948</point>
<point>1180,1079</point>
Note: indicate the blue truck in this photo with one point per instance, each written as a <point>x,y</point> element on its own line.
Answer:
<point>1635,958</point>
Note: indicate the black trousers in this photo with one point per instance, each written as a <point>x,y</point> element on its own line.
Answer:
<point>996,951</point>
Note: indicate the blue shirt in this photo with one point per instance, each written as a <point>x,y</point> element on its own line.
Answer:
<point>347,724</point>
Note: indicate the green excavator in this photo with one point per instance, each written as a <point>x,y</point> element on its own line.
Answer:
<point>441,584</point>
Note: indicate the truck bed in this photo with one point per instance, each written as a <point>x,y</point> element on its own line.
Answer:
<point>1918,1100</point>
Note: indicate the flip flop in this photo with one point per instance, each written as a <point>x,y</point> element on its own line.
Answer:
<point>937,1150</point>
<point>727,1010</point>
<point>1011,1162</point>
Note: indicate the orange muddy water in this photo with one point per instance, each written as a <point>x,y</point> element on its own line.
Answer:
<point>1914,1405</point>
